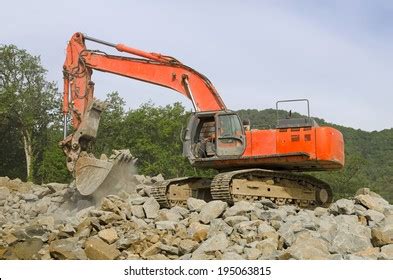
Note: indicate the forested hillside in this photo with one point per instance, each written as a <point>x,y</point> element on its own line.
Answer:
<point>30,128</point>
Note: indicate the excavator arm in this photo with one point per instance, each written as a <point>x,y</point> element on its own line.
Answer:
<point>79,102</point>
<point>152,68</point>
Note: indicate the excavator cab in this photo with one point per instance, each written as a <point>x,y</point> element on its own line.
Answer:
<point>214,134</point>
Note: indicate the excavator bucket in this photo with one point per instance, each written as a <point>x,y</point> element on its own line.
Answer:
<point>110,176</point>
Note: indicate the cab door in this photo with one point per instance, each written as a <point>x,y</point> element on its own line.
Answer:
<point>230,137</point>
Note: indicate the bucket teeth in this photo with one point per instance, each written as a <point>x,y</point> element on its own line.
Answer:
<point>93,174</point>
<point>123,155</point>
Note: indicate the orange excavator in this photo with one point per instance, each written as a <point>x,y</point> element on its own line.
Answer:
<point>252,164</point>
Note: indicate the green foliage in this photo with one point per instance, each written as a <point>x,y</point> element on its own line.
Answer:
<point>28,103</point>
<point>12,157</point>
<point>111,125</point>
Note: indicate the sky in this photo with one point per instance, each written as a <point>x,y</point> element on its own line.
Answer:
<point>338,54</point>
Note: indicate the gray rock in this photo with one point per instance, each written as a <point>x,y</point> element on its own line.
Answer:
<point>217,226</point>
<point>109,235</point>
<point>34,231</point>
<point>180,210</point>
<point>273,214</point>
<point>307,218</point>
<point>109,217</point>
<point>169,215</point>
<point>240,208</point>
<point>137,211</point>
<point>187,246</point>
<point>198,231</point>
<point>4,193</point>
<point>66,249</point>
<point>265,231</point>
<point>359,210</point>
<point>151,208</point>
<point>351,237</point>
<point>212,210</point>
<point>372,202</point>
<point>307,247</point>
<point>327,228</point>
<point>42,205</point>
<point>368,254</point>
<point>346,219</point>
<point>141,179</point>
<point>374,216</point>
<point>268,247</point>
<point>139,200</point>
<point>215,243</point>
<point>231,256</point>
<point>294,224</point>
<point>288,230</point>
<point>97,249</point>
<point>158,178</point>
<point>388,210</point>
<point>166,225</point>
<point>267,203</point>
<point>195,204</point>
<point>146,190</point>
<point>47,221</point>
<point>239,249</point>
<point>169,249</point>
<point>247,226</point>
<point>252,253</point>
<point>386,252</point>
<point>9,239</point>
<point>27,250</point>
<point>382,235</point>
<point>125,242</point>
<point>233,220</point>
<point>185,257</point>
<point>320,211</point>
<point>342,206</point>
<point>29,197</point>
<point>139,222</point>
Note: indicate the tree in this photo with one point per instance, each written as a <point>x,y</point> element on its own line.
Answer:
<point>111,125</point>
<point>27,101</point>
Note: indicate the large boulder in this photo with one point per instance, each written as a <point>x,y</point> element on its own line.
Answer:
<point>212,210</point>
<point>66,249</point>
<point>307,246</point>
<point>109,235</point>
<point>386,252</point>
<point>376,203</point>
<point>151,208</point>
<point>97,249</point>
<point>240,208</point>
<point>383,235</point>
<point>351,236</point>
<point>218,242</point>
<point>343,206</point>
<point>195,204</point>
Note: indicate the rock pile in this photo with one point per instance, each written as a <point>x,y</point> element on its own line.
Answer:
<point>52,222</point>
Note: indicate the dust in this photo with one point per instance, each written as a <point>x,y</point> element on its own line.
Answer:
<point>120,181</point>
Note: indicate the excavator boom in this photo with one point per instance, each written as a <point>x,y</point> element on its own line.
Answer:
<point>78,98</point>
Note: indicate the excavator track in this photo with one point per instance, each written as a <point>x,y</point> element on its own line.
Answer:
<point>280,187</point>
<point>249,184</point>
<point>175,192</point>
